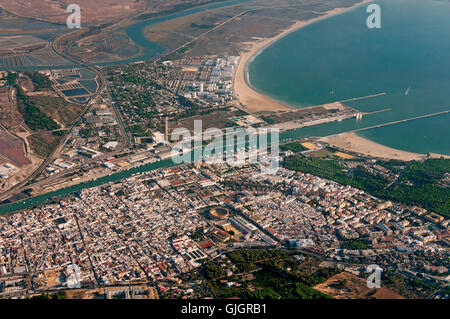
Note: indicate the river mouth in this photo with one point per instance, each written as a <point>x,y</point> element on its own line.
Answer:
<point>136,33</point>
<point>339,58</point>
<point>152,50</point>
<point>409,97</point>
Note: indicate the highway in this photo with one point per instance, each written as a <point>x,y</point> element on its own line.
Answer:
<point>101,79</point>
<point>63,50</point>
<point>88,164</point>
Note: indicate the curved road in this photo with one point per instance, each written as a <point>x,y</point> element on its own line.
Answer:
<point>102,85</point>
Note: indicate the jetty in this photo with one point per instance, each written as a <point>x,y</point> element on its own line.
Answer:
<point>400,121</point>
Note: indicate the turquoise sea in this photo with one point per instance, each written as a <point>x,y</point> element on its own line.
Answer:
<point>409,59</point>
<point>340,58</point>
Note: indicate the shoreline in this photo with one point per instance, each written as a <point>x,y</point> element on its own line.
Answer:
<point>253,100</point>
<point>256,102</point>
<point>354,143</point>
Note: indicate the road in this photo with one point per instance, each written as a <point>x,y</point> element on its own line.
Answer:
<point>59,177</point>
<point>61,47</point>
<point>400,121</point>
<point>64,51</point>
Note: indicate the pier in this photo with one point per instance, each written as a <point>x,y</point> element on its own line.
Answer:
<point>400,121</point>
<point>375,112</point>
<point>363,97</point>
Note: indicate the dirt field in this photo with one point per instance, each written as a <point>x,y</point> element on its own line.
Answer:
<point>93,12</point>
<point>10,117</point>
<point>357,144</point>
<point>11,149</point>
<point>218,119</point>
<point>11,126</point>
<point>43,143</point>
<point>349,286</point>
<point>343,155</point>
<point>106,46</point>
<point>13,135</point>
<point>297,115</point>
<point>22,42</point>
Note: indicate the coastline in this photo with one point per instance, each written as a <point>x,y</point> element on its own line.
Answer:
<point>360,145</point>
<point>254,101</point>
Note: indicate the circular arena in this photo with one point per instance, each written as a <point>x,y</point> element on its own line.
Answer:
<point>218,213</point>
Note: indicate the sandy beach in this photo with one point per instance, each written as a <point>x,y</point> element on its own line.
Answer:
<point>354,143</point>
<point>254,101</point>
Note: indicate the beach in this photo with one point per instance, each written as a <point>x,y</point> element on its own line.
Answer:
<point>354,143</point>
<point>254,101</point>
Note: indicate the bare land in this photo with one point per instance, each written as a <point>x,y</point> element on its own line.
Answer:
<point>55,11</point>
<point>244,30</point>
<point>43,143</point>
<point>217,119</point>
<point>58,108</point>
<point>93,12</point>
<point>12,149</point>
<point>105,47</point>
<point>349,286</point>
<point>14,145</point>
<point>20,42</point>
<point>12,131</point>
<point>22,146</point>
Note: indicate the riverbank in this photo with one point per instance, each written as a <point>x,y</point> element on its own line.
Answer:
<point>254,101</point>
<point>357,144</point>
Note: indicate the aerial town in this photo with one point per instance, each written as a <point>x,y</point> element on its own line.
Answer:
<point>155,227</point>
<point>147,235</point>
<point>93,204</point>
